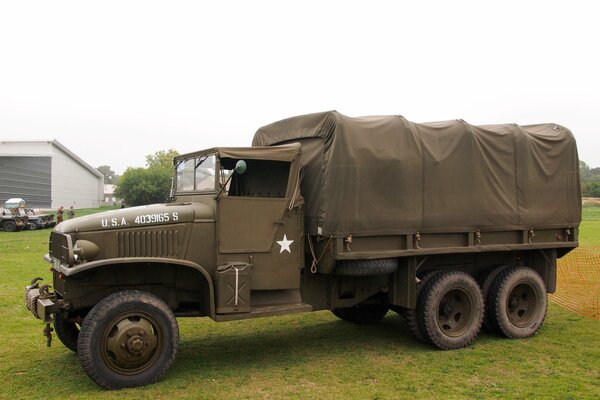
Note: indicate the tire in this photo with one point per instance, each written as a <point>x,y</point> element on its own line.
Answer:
<point>485,282</point>
<point>450,310</point>
<point>361,314</point>
<point>10,226</point>
<point>517,303</point>
<point>66,331</point>
<point>381,266</point>
<point>33,225</point>
<point>128,339</point>
<point>410,315</point>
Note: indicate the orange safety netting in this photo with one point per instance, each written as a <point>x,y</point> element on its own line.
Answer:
<point>578,282</point>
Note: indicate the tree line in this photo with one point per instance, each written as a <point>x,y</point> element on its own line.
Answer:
<point>152,183</point>
<point>590,180</point>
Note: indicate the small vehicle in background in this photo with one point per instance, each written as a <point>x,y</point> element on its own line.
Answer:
<point>37,220</point>
<point>10,222</point>
<point>33,218</point>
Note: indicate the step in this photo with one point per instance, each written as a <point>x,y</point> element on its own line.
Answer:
<point>266,311</point>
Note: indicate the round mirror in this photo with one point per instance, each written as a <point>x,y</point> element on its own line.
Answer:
<point>240,167</point>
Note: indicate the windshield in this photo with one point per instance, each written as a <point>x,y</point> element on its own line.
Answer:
<point>196,174</point>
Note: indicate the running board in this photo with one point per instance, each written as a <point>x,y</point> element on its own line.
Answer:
<point>266,311</point>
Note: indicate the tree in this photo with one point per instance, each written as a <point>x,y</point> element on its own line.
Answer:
<point>109,174</point>
<point>139,186</point>
<point>594,189</point>
<point>590,180</point>
<point>161,159</point>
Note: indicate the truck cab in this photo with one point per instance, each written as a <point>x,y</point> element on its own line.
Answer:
<point>258,226</point>
<point>229,245</point>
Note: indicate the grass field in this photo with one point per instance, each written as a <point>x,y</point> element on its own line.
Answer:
<point>589,232</point>
<point>309,356</point>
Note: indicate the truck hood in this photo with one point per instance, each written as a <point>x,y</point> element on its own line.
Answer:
<point>142,216</point>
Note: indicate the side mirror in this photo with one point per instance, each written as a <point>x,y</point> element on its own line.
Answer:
<point>240,167</point>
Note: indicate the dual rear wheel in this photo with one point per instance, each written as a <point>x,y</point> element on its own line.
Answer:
<point>452,306</point>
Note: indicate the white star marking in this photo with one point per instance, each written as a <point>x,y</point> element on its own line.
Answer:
<point>285,244</point>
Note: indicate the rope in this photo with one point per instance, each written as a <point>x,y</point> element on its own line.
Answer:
<point>316,261</point>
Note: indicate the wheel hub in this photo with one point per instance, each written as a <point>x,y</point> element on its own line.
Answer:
<point>130,344</point>
<point>522,305</point>
<point>454,312</point>
<point>447,309</point>
<point>136,343</point>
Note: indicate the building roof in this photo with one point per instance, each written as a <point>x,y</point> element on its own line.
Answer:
<point>62,148</point>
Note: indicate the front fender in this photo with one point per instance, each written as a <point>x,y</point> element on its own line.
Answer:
<point>92,265</point>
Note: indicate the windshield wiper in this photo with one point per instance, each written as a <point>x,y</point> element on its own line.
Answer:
<point>200,161</point>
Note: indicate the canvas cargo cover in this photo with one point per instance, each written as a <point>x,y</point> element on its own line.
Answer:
<point>385,175</point>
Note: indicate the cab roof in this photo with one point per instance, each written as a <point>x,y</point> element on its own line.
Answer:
<point>285,152</point>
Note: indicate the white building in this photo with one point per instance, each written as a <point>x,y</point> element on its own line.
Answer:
<point>109,195</point>
<point>47,175</point>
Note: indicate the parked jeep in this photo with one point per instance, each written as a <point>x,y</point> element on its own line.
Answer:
<point>10,222</point>
<point>38,220</point>
<point>33,217</point>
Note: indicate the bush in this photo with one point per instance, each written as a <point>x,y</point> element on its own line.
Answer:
<point>139,186</point>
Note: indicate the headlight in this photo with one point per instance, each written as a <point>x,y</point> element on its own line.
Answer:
<point>84,250</point>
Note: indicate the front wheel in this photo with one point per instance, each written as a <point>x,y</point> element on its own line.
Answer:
<point>128,339</point>
<point>67,331</point>
<point>10,226</point>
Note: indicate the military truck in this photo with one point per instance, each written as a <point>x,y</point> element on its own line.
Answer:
<point>451,225</point>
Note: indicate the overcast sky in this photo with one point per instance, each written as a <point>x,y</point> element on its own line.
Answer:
<point>117,80</point>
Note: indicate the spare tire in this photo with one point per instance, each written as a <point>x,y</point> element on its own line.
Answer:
<point>382,266</point>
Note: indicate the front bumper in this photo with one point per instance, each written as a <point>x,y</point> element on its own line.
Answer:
<point>40,301</point>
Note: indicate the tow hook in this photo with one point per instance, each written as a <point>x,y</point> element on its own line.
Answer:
<point>48,333</point>
<point>45,294</point>
<point>34,282</point>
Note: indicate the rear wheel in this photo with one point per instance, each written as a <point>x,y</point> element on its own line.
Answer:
<point>361,314</point>
<point>33,225</point>
<point>517,302</point>
<point>485,282</point>
<point>128,339</point>
<point>410,314</point>
<point>450,310</point>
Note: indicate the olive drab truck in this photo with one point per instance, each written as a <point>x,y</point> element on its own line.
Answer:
<point>453,226</point>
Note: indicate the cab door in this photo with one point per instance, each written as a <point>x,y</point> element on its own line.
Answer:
<point>260,222</point>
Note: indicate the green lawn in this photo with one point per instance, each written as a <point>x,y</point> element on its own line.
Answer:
<point>589,231</point>
<point>591,213</point>
<point>309,356</point>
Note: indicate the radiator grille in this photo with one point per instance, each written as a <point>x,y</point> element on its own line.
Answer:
<point>59,247</point>
<point>148,244</point>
